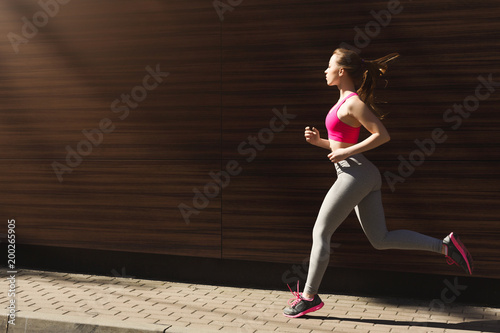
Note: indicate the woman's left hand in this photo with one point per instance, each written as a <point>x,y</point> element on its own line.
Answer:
<point>338,155</point>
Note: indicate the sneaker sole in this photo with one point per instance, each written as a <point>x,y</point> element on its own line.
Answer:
<point>463,251</point>
<point>315,308</point>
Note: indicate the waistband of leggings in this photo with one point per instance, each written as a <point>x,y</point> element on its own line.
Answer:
<point>351,161</point>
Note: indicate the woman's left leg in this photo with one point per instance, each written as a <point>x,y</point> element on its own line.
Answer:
<point>371,215</point>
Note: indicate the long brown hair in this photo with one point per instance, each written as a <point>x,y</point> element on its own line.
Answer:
<point>365,74</point>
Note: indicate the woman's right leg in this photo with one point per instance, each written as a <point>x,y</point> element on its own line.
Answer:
<point>340,200</point>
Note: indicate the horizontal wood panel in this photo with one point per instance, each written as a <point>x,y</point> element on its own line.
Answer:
<point>269,212</point>
<point>282,62</point>
<point>113,205</point>
<point>66,78</point>
<point>445,47</point>
<point>229,84</point>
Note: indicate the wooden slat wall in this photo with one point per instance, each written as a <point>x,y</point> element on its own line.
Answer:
<point>274,55</point>
<point>269,213</point>
<point>126,205</point>
<point>227,81</point>
<point>125,194</point>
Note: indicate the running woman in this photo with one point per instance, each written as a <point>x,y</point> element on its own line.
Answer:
<point>358,180</point>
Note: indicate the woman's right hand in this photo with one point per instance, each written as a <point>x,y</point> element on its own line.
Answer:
<point>312,135</point>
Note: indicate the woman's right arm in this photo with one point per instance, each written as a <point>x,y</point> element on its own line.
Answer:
<point>313,137</point>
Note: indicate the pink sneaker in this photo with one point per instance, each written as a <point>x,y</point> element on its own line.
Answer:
<point>458,254</point>
<point>300,306</point>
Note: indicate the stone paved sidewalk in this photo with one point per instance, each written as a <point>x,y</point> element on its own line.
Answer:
<point>60,302</point>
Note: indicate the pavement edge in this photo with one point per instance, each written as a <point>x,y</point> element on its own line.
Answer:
<point>32,322</point>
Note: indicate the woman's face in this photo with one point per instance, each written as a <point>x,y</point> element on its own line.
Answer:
<point>332,72</point>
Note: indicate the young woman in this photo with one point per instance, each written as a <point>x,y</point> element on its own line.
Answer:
<point>358,180</point>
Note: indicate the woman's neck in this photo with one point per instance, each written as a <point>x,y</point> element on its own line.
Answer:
<point>346,88</point>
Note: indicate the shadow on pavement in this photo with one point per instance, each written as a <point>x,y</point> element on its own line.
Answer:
<point>480,325</point>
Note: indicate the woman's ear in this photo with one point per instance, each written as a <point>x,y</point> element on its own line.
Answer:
<point>341,71</point>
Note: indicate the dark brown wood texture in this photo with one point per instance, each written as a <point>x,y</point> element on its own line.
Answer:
<point>274,55</point>
<point>124,194</point>
<point>227,83</point>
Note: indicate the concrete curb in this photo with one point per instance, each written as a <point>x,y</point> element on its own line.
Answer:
<point>32,322</point>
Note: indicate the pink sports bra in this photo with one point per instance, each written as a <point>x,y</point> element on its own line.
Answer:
<point>337,130</point>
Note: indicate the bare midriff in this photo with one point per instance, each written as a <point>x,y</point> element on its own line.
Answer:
<point>334,145</point>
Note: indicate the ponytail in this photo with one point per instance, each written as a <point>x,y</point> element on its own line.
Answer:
<point>365,74</point>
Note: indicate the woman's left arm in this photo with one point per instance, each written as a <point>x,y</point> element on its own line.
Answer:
<point>368,120</point>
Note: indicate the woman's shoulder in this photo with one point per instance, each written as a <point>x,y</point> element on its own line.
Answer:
<point>355,104</point>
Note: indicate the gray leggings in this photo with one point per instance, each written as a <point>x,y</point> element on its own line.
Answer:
<point>357,186</point>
